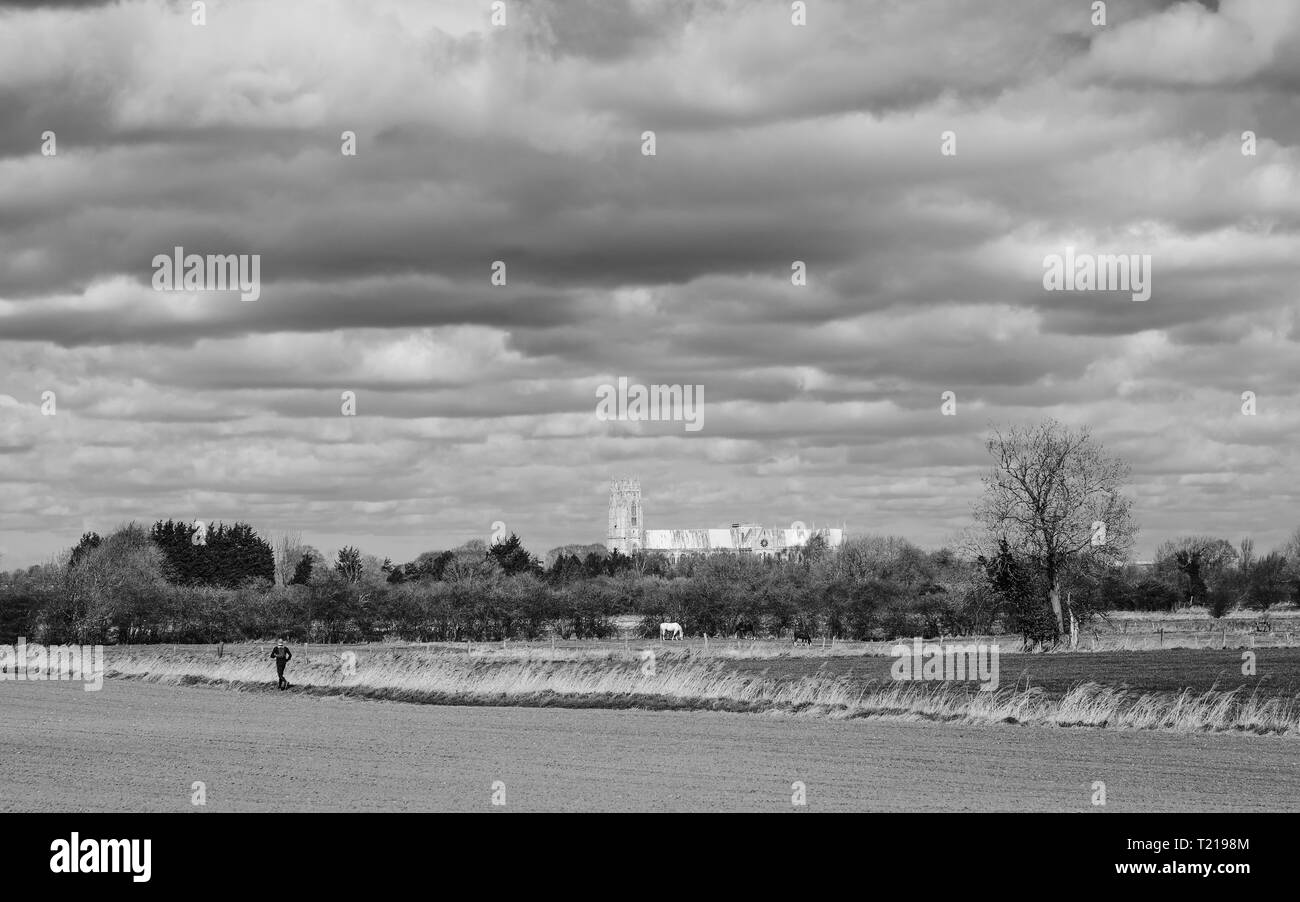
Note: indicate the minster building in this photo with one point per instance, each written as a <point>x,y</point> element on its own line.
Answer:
<point>627,532</point>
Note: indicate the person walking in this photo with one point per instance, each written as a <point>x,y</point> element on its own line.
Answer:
<point>282,655</point>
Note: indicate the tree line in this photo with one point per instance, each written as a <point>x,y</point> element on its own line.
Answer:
<point>1049,548</point>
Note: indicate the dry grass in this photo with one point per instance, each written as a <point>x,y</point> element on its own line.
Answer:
<point>1125,632</point>
<point>1191,640</point>
<point>612,680</point>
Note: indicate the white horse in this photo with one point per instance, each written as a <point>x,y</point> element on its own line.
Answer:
<point>669,631</point>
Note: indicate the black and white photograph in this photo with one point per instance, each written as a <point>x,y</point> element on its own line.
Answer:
<point>438,407</point>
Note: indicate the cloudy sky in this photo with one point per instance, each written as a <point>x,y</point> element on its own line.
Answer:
<point>523,143</point>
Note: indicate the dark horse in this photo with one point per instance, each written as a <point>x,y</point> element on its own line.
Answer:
<point>746,626</point>
<point>802,639</point>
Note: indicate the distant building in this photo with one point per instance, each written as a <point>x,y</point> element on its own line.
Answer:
<point>627,532</point>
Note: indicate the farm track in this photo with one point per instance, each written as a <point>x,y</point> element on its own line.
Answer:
<point>139,747</point>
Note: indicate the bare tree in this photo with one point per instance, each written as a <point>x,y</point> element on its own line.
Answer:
<point>1291,548</point>
<point>1055,495</point>
<point>350,563</point>
<point>288,552</point>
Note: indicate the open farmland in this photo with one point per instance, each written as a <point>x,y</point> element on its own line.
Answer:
<point>1277,670</point>
<point>677,677</point>
<point>139,747</point>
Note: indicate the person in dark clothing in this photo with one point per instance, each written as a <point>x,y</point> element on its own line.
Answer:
<point>282,655</point>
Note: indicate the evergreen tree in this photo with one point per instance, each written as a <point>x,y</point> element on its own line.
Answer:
<point>302,573</point>
<point>349,563</point>
<point>224,556</point>
<point>89,542</point>
<point>513,557</point>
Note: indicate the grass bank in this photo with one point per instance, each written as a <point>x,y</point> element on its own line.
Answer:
<point>616,681</point>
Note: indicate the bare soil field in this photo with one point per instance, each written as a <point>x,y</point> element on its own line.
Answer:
<point>1277,670</point>
<point>139,747</point>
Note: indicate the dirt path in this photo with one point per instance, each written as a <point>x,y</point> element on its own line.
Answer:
<point>139,747</point>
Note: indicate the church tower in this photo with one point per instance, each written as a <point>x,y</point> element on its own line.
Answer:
<point>626,524</point>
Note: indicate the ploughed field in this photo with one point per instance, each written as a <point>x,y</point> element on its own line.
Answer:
<point>1277,670</point>
<point>136,746</point>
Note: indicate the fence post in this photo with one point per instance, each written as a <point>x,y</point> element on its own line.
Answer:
<point>1162,637</point>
